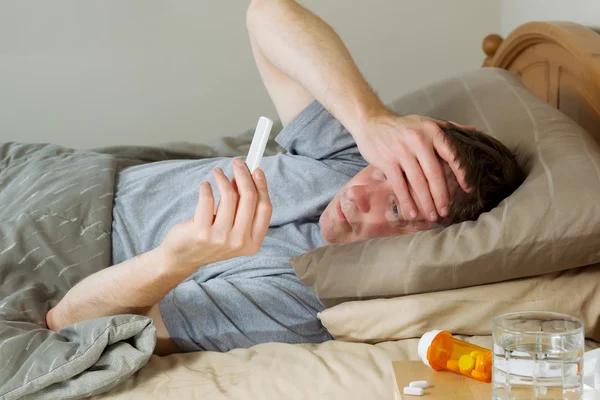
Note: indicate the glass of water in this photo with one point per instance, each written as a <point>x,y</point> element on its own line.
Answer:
<point>537,355</point>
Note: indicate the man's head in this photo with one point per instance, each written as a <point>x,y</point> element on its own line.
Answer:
<point>366,206</point>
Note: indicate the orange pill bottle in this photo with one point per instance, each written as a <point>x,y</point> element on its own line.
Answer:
<point>440,350</point>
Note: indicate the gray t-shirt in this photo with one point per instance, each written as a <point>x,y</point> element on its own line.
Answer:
<point>246,300</point>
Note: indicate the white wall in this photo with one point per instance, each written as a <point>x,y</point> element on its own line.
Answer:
<point>517,12</point>
<point>95,73</point>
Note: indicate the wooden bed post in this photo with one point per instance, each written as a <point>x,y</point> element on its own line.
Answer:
<point>558,61</point>
<point>490,45</point>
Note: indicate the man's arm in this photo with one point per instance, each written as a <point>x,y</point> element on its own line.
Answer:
<point>236,228</point>
<point>132,287</point>
<point>301,58</point>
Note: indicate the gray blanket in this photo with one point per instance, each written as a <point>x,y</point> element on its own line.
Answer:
<point>55,229</point>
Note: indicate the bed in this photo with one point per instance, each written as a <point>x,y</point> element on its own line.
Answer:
<point>559,62</point>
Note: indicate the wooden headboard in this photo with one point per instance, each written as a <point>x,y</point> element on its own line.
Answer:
<point>559,62</point>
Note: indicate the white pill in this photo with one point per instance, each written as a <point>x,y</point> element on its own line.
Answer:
<point>419,384</point>
<point>413,391</point>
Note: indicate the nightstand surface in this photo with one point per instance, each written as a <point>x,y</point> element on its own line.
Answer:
<point>445,385</point>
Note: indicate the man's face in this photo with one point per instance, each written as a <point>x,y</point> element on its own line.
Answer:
<point>366,208</point>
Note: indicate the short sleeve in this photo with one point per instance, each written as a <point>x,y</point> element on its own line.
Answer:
<point>315,133</point>
<point>240,312</point>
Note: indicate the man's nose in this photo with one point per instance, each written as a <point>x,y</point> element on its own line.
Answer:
<point>360,195</point>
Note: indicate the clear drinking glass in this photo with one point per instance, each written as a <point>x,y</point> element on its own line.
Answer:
<point>537,355</point>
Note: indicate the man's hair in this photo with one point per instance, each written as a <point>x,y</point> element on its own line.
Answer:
<point>491,173</point>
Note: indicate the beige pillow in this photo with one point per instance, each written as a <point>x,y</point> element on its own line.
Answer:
<point>468,311</point>
<point>550,223</point>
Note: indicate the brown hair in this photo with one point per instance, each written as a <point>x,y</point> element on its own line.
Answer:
<point>491,173</point>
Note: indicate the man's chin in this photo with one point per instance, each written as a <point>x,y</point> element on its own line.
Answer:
<point>327,229</point>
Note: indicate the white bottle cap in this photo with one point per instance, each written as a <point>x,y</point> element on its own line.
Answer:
<point>424,344</point>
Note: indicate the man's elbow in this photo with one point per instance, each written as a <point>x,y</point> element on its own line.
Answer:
<point>52,320</point>
<point>60,316</point>
<point>258,8</point>
<point>253,9</point>
<point>254,3</point>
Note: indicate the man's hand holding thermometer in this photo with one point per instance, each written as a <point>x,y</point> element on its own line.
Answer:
<point>237,225</point>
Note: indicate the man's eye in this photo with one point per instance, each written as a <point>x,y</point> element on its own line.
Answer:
<point>395,210</point>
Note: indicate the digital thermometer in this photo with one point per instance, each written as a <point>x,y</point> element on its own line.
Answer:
<point>259,143</point>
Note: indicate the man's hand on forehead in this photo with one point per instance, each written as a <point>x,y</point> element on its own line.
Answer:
<point>451,183</point>
<point>408,150</point>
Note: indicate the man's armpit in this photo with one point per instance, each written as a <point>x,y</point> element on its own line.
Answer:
<point>165,345</point>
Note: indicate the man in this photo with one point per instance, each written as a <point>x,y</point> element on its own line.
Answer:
<point>221,279</point>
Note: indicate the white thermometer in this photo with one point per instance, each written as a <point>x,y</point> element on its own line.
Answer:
<point>259,143</point>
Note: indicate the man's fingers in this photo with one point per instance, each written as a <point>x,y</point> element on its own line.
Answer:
<point>405,202</point>
<point>248,197</point>
<point>420,186</point>
<point>227,202</point>
<point>433,173</point>
<point>446,153</point>
<point>264,209</point>
<point>203,216</point>
<point>436,179</point>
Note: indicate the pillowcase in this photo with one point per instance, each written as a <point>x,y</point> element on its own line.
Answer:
<point>468,311</point>
<point>550,223</point>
